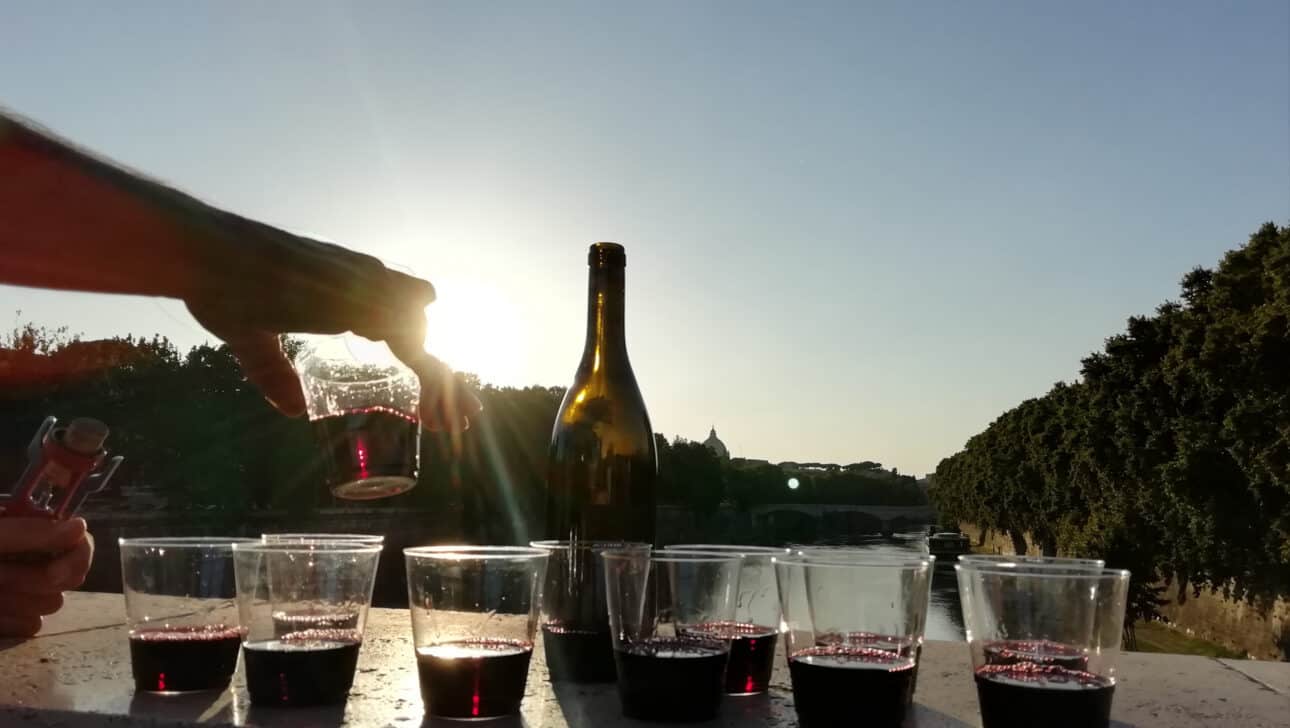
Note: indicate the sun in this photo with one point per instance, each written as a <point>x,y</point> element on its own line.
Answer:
<point>475,328</point>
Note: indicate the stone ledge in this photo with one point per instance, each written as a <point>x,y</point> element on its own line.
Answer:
<point>77,673</point>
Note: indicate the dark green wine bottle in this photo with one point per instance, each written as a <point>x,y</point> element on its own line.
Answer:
<point>603,463</point>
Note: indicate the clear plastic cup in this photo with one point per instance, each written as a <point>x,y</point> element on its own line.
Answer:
<point>474,616</point>
<point>575,614</point>
<point>181,612</point>
<point>670,668</point>
<point>757,623</point>
<point>854,632</point>
<point>363,406</point>
<point>303,609</point>
<point>1044,641</point>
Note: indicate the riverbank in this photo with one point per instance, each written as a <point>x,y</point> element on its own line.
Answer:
<point>1154,636</point>
<point>1209,625</point>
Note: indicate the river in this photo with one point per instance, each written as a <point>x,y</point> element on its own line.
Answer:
<point>944,614</point>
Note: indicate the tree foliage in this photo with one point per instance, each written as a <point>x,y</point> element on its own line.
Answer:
<point>1171,457</point>
<point>197,436</point>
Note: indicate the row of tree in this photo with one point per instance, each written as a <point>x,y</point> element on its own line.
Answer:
<point>1171,456</point>
<point>692,475</point>
<point>196,435</point>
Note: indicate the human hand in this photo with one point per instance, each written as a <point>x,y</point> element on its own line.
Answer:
<point>29,591</point>
<point>281,283</point>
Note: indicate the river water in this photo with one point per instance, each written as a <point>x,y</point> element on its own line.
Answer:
<point>944,614</point>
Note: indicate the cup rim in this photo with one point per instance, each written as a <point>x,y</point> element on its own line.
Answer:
<point>1051,562</point>
<point>258,546</point>
<point>185,542</point>
<point>322,537</point>
<point>848,553</point>
<point>1047,572</point>
<point>467,552</point>
<point>662,556</point>
<point>727,549</point>
<point>858,561</point>
<point>605,545</point>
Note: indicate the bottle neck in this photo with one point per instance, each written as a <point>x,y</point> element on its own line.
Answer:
<point>606,335</point>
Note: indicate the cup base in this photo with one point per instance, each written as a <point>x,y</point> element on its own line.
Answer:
<point>373,488</point>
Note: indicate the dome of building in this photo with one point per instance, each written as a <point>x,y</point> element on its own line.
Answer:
<point>715,444</point>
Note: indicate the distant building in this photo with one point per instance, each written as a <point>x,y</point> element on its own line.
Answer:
<point>715,444</point>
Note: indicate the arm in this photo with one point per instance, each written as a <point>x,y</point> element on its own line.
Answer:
<point>70,220</point>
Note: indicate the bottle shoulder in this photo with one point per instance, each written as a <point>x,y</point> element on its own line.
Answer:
<point>607,414</point>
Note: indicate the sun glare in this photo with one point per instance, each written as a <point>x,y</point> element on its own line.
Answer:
<point>475,328</point>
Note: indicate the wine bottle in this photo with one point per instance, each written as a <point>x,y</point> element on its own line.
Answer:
<point>603,462</point>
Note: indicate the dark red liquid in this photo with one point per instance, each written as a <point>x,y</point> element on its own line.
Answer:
<point>873,640</point>
<point>576,655</point>
<point>842,685</point>
<point>752,654</point>
<point>179,659</point>
<point>473,678</point>
<point>1037,652</point>
<point>370,453</point>
<point>285,623</point>
<point>1026,695</point>
<point>671,680</point>
<point>306,668</point>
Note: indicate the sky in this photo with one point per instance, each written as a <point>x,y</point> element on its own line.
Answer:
<point>855,231</point>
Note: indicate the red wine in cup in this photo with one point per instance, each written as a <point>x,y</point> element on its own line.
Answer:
<point>473,678</point>
<point>578,655</point>
<point>889,643</point>
<point>752,654</point>
<point>376,446</point>
<point>839,686</point>
<point>180,659</point>
<point>1023,695</point>
<point>671,680</point>
<point>314,667</point>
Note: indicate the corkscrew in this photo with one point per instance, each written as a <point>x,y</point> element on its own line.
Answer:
<point>65,466</point>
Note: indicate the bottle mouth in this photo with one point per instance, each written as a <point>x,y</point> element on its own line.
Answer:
<point>606,255</point>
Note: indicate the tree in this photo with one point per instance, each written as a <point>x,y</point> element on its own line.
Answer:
<point>1172,456</point>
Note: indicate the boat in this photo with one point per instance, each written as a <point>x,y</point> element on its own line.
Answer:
<point>948,545</point>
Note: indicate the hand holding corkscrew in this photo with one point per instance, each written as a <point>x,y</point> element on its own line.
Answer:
<point>44,548</point>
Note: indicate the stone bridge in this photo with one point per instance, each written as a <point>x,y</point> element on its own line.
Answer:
<point>849,518</point>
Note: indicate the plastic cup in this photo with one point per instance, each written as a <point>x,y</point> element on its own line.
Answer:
<point>362,404</point>
<point>303,609</point>
<point>181,612</point>
<point>474,616</point>
<point>670,667</point>
<point>1044,641</point>
<point>575,615</point>
<point>854,632</point>
<point>757,623</point>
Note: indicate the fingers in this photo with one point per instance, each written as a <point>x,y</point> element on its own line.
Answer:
<point>267,367</point>
<point>69,570</point>
<point>447,403</point>
<point>353,292</point>
<point>21,535</point>
<point>20,627</point>
<point>63,573</point>
<point>36,581</point>
<point>30,605</point>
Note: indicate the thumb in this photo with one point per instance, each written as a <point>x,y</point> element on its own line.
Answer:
<point>18,535</point>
